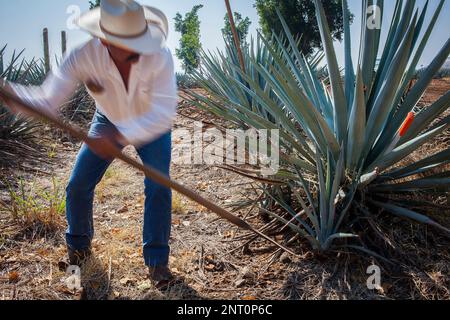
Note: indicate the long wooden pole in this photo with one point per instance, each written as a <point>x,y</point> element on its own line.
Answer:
<point>149,172</point>
<point>237,42</point>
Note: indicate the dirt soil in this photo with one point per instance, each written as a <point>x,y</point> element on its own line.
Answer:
<point>207,253</point>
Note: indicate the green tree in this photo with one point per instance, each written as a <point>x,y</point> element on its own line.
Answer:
<point>189,27</point>
<point>94,4</point>
<point>242,27</point>
<point>300,15</point>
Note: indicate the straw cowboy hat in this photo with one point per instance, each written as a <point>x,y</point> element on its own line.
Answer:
<point>127,24</point>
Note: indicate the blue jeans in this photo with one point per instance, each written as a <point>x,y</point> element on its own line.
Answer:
<point>88,172</point>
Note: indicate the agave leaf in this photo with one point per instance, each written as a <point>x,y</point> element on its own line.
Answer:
<point>326,105</point>
<point>295,161</point>
<point>9,72</point>
<point>284,174</point>
<point>302,109</point>
<point>387,47</point>
<point>414,185</point>
<point>338,174</point>
<point>292,212</point>
<point>314,242</point>
<point>383,104</point>
<point>413,65</point>
<point>265,100</point>
<point>309,82</point>
<point>347,204</point>
<point>328,177</point>
<point>247,117</point>
<point>421,166</point>
<point>308,193</point>
<point>310,212</point>
<point>424,41</point>
<point>357,125</point>
<point>400,30</point>
<point>283,90</point>
<point>370,47</point>
<point>323,208</point>
<point>2,52</point>
<point>440,175</point>
<point>292,62</point>
<point>340,103</point>
<point>406,213</point>
<point>349,70</point>
<point>336,236</point>
<point>419,24</point>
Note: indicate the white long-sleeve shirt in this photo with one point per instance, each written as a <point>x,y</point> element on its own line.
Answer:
<point>141,114</point>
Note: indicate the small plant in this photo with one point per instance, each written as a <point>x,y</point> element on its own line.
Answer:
<point>37,209</point>
<point>178,206</point>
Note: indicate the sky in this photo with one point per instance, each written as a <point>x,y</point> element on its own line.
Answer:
<point>22,21</point>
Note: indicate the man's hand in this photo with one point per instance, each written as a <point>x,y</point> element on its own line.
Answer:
<point>109,145</point>
<point>104,147</point>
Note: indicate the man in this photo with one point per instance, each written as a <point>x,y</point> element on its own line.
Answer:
<point>129,72</point>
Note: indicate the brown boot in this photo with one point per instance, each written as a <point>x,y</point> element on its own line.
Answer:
<point>75,258</point>
<point>78,257</point>
<point>161,276</point>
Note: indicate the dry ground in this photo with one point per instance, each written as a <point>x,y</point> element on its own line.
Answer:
<point>206,251</point>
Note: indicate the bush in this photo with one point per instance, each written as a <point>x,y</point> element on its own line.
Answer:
<point>185,81</point>
<point>18,136</point>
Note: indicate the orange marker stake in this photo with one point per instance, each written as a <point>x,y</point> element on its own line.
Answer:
<point>401,132</point>
<point>406,124</point>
